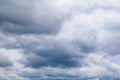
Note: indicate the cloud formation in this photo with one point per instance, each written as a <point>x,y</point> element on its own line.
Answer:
<point>4,62</point>
<point>59,39</point>
<point>29,17</point>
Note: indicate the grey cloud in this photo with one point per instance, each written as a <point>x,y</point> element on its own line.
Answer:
<point>70,46</point>
<point>113,26</point>
<point>49,51</point>
<point>95,67</point>
<point>5,62</point>
<point>29,17</point>
<point>75,40</point>
<point>86,30</point>
<point>46,16</point>
<point>52,51</point>
<point>111,44</point>
<point>55,55</point>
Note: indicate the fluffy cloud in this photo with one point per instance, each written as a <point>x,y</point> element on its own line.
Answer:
<point>100,67</point>
<point>86,34</point>
<point>44,16</point>
<point>94,67</point>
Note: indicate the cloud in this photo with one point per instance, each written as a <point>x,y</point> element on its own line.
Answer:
<point>94,67</point>
<point>92,31</point>
<point>84,35</point>
<point>51,52</point>
<point>100,67</point>
<point>29,17</point>
<point>4,62</point>
<point>79,37</point>
<point>36,17</point>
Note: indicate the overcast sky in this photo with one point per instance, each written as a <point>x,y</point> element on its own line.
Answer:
<point>59,39</point>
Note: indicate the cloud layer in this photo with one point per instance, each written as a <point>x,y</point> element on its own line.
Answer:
<point>58,39</point>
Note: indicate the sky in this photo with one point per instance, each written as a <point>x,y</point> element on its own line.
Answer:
<point>59,39</point>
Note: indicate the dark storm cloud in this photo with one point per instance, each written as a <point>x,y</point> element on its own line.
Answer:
<point>53,54</point>
<point>43,51</point>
